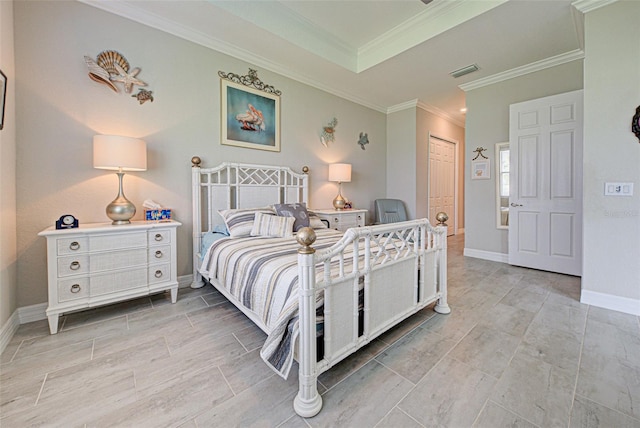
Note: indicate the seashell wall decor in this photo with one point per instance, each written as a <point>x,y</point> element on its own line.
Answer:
<point>328,132</point>
<point>111,67</point>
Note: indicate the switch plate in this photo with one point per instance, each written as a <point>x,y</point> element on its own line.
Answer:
<point>618,189</point>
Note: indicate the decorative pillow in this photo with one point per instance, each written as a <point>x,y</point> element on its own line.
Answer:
<point>315,222</point>
<point>240,221</point>
<point>272,226</point>
<point>297,211</point>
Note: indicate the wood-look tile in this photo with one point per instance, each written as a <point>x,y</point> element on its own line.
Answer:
<point>553,346</point>
<point>352,363</point>
<point>245,371</point>
<point>397,418</point>
<point>507,319</point>
<point>539,392</point>
<point>37,365</point>
<point>362,399</point>
<point>525,299</point>
<point>451,395</point>
<point>81,333</point>
<point>495,416</point>
<point>587,414</point>
<point>407,325</point>
<point>107,312</point>
<point>20,395</point>
<point>558,316</point>
<point>251,337</point>
<point>172,403</point>
<point>416,353</point>
<point>486,349</point>
<point>151,318</point>
<point>267,404</point>
<point>627,322</point>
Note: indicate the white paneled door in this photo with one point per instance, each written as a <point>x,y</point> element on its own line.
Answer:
<point>545,213</point>
<point>442,181</point>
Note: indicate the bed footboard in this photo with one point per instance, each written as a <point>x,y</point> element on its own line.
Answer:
<point>390,272</point>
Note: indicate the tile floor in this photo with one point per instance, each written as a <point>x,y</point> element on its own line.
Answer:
<point>517,350</point>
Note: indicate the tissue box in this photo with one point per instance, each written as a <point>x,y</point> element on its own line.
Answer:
<point>157,215</point>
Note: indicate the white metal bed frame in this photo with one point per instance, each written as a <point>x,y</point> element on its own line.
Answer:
<point>402,265</point>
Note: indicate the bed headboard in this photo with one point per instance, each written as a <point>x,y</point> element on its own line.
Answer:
<point>238,185</point>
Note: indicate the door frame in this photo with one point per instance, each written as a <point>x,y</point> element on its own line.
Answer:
<point>456,171</point>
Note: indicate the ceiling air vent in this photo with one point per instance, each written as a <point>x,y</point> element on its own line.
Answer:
<point>464,70</point>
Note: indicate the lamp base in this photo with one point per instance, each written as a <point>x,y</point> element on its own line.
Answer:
<point>121,210</point>
<point>339,202</point>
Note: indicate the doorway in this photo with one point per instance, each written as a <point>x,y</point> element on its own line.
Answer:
<point>545,212</point>
<point>443,183</point>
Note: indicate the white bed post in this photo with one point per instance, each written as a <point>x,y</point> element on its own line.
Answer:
<point>197,219</point>
<point>308,402</point>
<point>441,235</point>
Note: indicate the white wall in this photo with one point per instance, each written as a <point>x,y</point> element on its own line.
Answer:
<point>408,133</point>
<point>611,267</point>
<point>488,123</point>
<point>8,246</point>
<point>59,109</point>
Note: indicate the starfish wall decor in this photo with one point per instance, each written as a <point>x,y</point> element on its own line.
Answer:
<point>111,67</point>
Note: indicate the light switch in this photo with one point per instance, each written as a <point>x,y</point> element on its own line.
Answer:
<point>618,189</point>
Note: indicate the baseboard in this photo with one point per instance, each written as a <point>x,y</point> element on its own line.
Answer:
<point>32,313</point>
<point>8,330</point>
<point>486,255</point>
<point>609,301</point>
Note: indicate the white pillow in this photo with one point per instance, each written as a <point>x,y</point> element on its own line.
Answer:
<point>272,226</point>
<point>240,221</point>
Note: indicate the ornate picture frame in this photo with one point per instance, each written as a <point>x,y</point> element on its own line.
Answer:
<point>3,96</point>
<point>250,118</point>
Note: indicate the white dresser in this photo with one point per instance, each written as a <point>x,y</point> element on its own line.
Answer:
<point>98,264</point>
<point>344,219</point>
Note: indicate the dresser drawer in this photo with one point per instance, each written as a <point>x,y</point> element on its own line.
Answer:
<point>118,281</point>
<point>101,262</point>
<point>118,240</point>
<point>159,254</point>
<point>159,273</point>
<point>159,237</point>
<point>73,265</point>
<point>75,245</point>
<point>73,288</point>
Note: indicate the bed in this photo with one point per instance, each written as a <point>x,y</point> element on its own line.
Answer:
<point>318,294</point>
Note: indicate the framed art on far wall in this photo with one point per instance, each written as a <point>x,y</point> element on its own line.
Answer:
<point>3,96</point>
<point>249,118</point>
<point>480,169</point>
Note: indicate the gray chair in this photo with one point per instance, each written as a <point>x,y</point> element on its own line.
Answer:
<point>390,211</point>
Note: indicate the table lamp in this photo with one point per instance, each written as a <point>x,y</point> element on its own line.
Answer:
<point>340,172</point>
<point>121,154</point>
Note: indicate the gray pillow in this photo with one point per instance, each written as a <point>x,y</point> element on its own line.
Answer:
<point>297,211</point>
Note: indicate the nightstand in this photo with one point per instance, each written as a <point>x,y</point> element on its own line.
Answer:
<point>344,219</point>
<point>100,263</point>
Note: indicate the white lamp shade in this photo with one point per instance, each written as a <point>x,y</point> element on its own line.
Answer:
<point>117,152</point>
<point>340,172</point>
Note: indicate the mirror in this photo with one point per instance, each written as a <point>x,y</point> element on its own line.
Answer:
<point>502,185</point>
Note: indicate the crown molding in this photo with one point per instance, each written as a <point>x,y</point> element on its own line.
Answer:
<point>553,61</point>
<point>143,17</point>
<point>586,6</point>
<point>426,107</point>
<point>437,18</point>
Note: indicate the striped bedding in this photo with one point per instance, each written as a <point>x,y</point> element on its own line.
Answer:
<point>262,274</point>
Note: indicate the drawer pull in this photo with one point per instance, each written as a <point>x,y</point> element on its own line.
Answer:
<point>74,265</point>
<point>158,273</point>
<point>158,254</point>
<point>158,237</point>
<point>75,245</point>
<point>75,288</point>
<point>335,219</point>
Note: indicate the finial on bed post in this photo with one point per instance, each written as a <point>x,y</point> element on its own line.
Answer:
<point>195,162</point>
<point>305,169</point>
<point>306,237</point>
<point>442,217</point>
